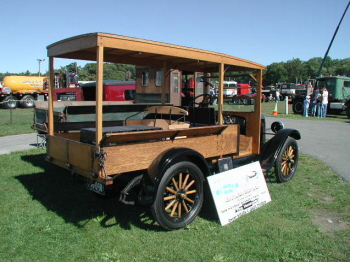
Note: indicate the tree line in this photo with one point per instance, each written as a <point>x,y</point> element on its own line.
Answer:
<point>297,71</point>
<point>88,72</point>
<point>292,71</point>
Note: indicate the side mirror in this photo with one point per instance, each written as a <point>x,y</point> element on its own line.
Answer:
<point>277,126</point>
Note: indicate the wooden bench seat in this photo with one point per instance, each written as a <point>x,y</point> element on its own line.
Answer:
<point>166,117</point>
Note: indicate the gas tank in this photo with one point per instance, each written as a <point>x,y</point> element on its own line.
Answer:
<point>25,83</point>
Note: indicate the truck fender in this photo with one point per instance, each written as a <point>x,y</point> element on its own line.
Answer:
<point>271,149</point>
<point>172,156</point>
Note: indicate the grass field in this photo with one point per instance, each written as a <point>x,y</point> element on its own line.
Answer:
<point>47,215</point>
<point>17,121</point>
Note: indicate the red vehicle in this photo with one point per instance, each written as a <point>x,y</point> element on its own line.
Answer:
<point>113,90</point>
<point>243,89</point>
<point>119,90</point>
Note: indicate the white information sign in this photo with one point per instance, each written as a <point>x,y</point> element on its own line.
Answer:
<point>238,191</point>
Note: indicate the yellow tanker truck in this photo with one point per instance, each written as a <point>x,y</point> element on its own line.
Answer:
<point>23,90</point>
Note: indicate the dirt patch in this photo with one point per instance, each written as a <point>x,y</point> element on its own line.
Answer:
<point>330,222</point>
<point>322,198</point>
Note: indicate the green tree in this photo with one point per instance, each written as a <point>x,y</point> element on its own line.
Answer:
<point>276,72</point>
<point>295,70</point>
<point>328,68</point>
<point>342,67</point>
<point>111,71</point>
<point>312,66</point>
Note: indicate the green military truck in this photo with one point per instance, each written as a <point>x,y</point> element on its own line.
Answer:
<point>339,94</point>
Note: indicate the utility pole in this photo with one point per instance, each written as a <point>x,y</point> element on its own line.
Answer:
<point>40,60</point>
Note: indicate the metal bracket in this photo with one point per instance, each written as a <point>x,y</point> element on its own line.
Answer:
<point>101,158</point>
<point>125,192</point>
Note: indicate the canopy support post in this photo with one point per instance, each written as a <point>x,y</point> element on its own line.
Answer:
<point>99,95</point>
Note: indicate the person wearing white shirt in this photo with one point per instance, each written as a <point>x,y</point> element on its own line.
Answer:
<point>324,102</point>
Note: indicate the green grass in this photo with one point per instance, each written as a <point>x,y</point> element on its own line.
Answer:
<point>47,215</point>
<point>17,121</point>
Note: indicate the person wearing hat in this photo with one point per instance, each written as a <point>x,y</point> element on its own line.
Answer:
<point>306,106</point>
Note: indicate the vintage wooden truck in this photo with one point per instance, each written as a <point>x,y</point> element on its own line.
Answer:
<point>171,143</point>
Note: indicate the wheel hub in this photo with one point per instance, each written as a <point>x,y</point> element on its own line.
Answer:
<point>180,195</point>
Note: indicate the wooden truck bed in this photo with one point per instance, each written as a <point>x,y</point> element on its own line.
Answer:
<point>126,153</point>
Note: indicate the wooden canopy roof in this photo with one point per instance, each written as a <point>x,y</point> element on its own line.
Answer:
<point>135,51</point>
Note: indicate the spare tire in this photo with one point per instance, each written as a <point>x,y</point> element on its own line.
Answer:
<point>298,106</point>
<point>348,110</point>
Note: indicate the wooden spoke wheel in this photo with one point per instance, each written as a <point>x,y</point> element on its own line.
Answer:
<point>179,197</point>
<point>287,161</point>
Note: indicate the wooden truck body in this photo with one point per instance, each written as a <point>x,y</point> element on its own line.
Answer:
<point>167,147</point>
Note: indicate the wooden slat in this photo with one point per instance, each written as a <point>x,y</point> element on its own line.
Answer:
<point>57,148</point>
<point>80,155</point>
<point>71,136</point>
<point>162,134</point>
<point>71,153</point>
<point>139,136</point>
<point>69,126</point>
<point>202,131</point>
<point>245,145</point>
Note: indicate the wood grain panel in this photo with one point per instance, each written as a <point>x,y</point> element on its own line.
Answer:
<point>136,156</point>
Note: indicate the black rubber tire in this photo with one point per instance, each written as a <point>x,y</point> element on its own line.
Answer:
<point>287,161</point>
<point>27,101</point>
<point>348,111</point>
<point>298,106</point>
<point>10,102</point>
<point>179,197</point>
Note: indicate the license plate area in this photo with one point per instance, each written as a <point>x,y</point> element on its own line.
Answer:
<point>96,187</point>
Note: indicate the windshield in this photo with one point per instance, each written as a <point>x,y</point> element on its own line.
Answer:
<point>73,79</point>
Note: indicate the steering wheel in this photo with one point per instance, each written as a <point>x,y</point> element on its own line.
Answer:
<point>204,102</point>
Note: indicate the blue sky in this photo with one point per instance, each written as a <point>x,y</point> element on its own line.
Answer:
<point>263,31</point>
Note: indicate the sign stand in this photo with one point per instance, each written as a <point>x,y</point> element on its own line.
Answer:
<point>238,191</point>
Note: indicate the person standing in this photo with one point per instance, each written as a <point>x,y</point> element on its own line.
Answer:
<point>278,95</point>
<point>306,106</point>
<point>319,104</point>
<point>324,102</point>
<point>315,95</point>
